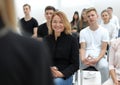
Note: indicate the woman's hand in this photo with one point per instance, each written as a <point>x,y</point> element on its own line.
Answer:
<point>56,73</point>
<point>93,61</point>
<point>86,61</point>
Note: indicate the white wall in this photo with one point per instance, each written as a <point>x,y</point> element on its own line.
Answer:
<point>68,6</point>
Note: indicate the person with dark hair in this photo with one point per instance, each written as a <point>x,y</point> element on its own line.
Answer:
<point>74,22</point>
<point>23,60</point>
<point>75,25</point>
<point>64,49</point>
<point>43,28</point>
<point>28,24</point>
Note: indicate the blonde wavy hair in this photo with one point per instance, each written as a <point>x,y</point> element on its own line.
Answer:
<point>7,13</point>
<point>67,26</point>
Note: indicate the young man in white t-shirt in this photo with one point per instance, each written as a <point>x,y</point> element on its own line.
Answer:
<point>93,41</point>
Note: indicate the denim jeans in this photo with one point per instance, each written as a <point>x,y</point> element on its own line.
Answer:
<point>61,81</point>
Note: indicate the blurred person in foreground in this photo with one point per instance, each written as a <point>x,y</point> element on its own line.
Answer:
<point>23,61</point>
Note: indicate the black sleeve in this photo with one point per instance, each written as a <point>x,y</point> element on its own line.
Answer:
<point>40,31</point>
<point>35,23</point>
<point>74,60</point>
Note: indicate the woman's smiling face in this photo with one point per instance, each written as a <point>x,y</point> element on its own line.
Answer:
<point>57,24</point>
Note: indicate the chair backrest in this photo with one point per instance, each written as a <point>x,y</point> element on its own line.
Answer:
<point>91,68</point>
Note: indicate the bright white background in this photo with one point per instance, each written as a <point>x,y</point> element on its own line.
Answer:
<point>67,6</point>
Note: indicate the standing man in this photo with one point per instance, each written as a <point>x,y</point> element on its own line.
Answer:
<point>28,24</point>
<point>113,18</point>
<point>93,41</point>
<point>43,28</point>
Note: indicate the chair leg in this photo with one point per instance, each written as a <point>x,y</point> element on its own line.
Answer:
<point>81,77</point>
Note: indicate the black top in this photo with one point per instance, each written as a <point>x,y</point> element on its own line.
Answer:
<point>42,30</point>
<point>23,61</point>
<point>64,52</point>
<point>27,26</point>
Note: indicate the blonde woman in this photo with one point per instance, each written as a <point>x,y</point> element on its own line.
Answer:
<point>23,61</point>
<point>64,49</point>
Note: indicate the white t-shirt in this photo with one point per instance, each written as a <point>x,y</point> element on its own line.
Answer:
<point>115,21</point>
<point>93,40</point>
<point>113,33</point>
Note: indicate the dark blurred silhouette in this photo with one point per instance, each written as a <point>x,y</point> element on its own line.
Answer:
<point>23,61</point>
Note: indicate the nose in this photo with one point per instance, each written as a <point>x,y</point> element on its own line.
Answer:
<point>25,10</point>
<point>49,15</point>
<point>57,24</point>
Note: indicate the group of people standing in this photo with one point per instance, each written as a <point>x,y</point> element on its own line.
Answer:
<point>53,56</point>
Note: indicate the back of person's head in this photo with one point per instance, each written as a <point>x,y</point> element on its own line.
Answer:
<point>50,8</point>
<point>27,5</point>
<point>63,17</point>
<point>91,9</point>
<point>7,14</point>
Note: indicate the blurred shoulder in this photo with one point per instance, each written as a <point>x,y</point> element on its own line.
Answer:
<point>22,39</point>
<point>43,24</point>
